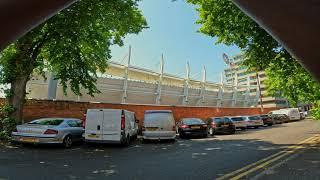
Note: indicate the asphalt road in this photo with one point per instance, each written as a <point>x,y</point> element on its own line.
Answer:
<point>184,159</point>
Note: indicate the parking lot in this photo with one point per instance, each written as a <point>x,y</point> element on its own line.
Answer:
<point>206,158</point>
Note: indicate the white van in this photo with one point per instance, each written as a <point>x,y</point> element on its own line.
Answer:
<point>110,126</point>
<point>158,125</point>
<point>292,113</point>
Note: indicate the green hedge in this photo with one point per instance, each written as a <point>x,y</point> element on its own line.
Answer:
<point>315,112</point>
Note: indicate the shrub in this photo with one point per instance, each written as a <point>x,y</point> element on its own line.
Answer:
<point>315,112</point>
<point>7,124</point>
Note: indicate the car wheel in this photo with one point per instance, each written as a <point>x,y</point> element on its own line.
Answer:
<point>233,132</point>
<point>67,141</point>
<point>243,129</point>
<point>181,135</point>
<point>205,135</point>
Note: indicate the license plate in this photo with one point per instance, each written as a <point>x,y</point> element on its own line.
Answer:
<point>93,136</point>
<point>195,127</point>
<point>28,139</point>
<point>152,128</point>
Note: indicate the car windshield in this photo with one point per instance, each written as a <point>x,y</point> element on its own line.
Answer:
<point>53,122</point>
<point>237,119</point>
<point>193,121</point>
<point>254,118</point>
<point>264,116</point>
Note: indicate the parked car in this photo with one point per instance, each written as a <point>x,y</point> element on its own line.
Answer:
<point>192,127</point>
<point>267,119</point>
<point>222,125</point>
<point>302,116</point>
<point>278,118</point>
<point>64,131</point>
<point>117,126</point>
<point>253,121</point>
<point>158,125</point>
<point>239,122</point>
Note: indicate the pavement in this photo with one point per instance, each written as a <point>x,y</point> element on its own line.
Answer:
<point>285,151</point>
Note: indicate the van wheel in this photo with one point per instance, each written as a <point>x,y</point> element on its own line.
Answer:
<point>67,141</point>
<point>126,141</point>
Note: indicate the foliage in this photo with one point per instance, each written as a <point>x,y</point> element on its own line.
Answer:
<point>225,21</point>
<point>7,124</point>
<point>315,112</point>
<point>74,45</point>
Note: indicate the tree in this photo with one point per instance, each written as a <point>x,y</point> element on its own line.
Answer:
<point>224,20</point>
<point>74,44</point>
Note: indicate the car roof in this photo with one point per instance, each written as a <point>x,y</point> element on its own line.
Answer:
<point>158,111</point>
<point>55,118</point>
<point>191,118</point>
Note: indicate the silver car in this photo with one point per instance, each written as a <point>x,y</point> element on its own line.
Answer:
<point>253,121</point>
<point>50,131</point>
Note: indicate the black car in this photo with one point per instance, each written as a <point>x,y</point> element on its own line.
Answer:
<point>192,127</point>
<point>267,119</point>
<point>222,125</point>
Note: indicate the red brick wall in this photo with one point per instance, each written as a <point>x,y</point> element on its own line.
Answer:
<point>45,108</point>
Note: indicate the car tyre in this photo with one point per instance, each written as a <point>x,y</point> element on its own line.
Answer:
<point>181,135</point>
<point>67,141</point>
<point>233,132</point>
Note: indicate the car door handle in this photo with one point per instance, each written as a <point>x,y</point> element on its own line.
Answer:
<point>98,127</point>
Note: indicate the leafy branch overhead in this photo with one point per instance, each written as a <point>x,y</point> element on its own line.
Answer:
<point>225,21</point>
<point>74,45</point>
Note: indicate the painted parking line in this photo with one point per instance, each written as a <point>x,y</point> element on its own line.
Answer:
<point>240,173</point>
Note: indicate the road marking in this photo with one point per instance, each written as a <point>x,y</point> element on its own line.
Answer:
<point>263,162</point>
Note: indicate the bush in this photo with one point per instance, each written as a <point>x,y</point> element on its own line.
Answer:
<point>315,112</point>
<point>7,124</point>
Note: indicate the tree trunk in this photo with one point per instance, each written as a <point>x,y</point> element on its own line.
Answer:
<point>18,90</point>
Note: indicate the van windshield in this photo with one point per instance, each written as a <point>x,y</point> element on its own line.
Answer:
<point>151,118</point>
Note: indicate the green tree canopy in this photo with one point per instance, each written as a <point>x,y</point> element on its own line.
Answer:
<point>224,20</point>
<point>74,44</point>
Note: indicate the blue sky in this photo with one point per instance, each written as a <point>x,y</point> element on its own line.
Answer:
<point>173,32</point>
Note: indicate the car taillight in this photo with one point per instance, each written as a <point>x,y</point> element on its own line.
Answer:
<point>173,128</point>
<point>51,131</point>
<point>184,126</point>
<point>213,124</point>
<point>123,121</point>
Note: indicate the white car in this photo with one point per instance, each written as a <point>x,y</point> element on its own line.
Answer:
<point>158,125</point>
<point>110,126</point>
